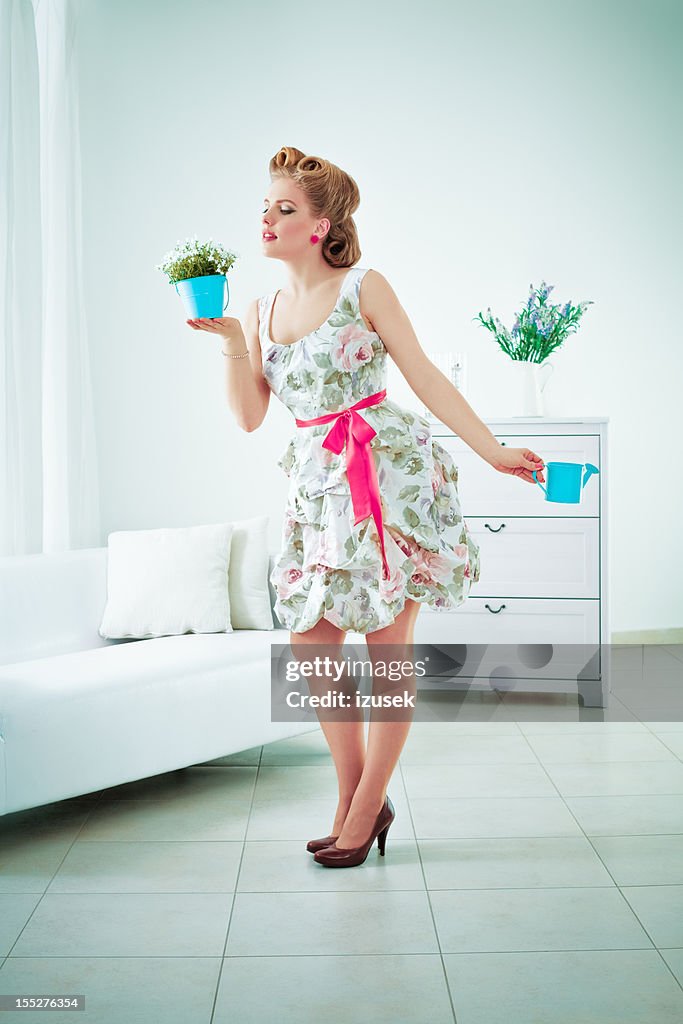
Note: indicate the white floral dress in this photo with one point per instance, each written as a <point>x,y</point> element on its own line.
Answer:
<point>328,566</point>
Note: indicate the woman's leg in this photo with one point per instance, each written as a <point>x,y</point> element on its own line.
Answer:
<point>386,737</point>
<point>344,734</point>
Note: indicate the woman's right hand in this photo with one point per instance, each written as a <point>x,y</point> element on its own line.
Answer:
<point>520,462</point>
<point>228,327</point>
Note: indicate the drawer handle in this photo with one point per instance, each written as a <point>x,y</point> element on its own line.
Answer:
<point>501,527</point>
<point>494,611</point>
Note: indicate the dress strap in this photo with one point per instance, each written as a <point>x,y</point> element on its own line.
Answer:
<point>352,287</point>
<point>264,313</point>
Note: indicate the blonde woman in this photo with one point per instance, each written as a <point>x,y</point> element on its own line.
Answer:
<point>373,527</point>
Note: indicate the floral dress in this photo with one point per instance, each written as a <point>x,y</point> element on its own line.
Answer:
<point>328,566</point>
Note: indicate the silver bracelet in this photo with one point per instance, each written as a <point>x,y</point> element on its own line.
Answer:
<point>235,357</point>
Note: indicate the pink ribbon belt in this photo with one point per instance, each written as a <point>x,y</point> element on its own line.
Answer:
<point>352,430</point>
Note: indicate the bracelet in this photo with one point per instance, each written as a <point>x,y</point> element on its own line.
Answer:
<point>243,354</point>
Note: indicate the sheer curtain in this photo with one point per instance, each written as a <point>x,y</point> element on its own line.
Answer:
<point>48,464</point>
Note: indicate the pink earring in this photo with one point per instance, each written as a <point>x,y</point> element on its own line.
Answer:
<point>314,239</point>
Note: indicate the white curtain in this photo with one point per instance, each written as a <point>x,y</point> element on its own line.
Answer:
<point>48,466</point>
<point>21,472</point>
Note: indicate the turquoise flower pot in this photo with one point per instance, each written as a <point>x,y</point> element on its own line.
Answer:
<point>203,296</point>
<point>564,481</point>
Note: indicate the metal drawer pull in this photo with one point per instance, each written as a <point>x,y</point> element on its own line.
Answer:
<point>494,611</point>
<point>501,527</point>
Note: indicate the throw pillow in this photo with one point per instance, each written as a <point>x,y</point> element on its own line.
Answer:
<point>167,582</point>
<point>250,606</point>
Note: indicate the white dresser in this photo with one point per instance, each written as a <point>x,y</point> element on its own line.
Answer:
<point>544,567</point>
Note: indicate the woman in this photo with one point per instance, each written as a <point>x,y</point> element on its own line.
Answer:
<point>373,527</point>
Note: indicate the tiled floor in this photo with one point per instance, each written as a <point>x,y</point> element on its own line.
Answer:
<point>533,875</point>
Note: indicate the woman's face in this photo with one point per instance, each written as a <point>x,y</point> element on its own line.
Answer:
<point>286,215</point>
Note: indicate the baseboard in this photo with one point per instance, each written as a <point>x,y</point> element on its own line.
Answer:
<point>649,636</point>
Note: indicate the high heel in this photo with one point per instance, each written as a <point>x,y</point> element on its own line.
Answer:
<point>334,857</point>
<point>382,839</point>
<point>319,844</point>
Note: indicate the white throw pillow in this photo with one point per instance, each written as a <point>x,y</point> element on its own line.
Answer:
<point>250,606</point>
<point>168,582</point>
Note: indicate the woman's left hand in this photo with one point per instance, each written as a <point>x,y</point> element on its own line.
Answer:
<point>228,327</point>
<point>519,462</point>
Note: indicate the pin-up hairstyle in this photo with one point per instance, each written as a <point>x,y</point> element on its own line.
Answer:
<point>330,193</point>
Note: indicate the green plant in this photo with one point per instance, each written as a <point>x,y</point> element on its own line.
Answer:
<point>540,327</point>
<point>193,258</point>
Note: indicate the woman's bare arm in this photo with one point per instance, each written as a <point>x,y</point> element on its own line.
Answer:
<point>389,319</point>
<point>391,322</point>
<point>246,389</point>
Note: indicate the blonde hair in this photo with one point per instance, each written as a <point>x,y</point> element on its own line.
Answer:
<point>331,193</point>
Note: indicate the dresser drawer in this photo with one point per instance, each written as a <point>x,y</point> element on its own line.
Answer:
<point>506,620</point>
<point>508,666</point>
<point>484,491</point>
<point>534,557</point>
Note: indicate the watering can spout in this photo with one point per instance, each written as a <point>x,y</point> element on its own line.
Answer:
<point>590,469</point>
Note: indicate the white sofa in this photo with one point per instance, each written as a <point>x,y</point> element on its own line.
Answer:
<point>79,713</point>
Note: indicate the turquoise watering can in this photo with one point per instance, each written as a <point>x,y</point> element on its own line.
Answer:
<point>564,481</point>
<point>203,296</point>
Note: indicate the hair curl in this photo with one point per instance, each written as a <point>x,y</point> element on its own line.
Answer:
<point>330,193</point>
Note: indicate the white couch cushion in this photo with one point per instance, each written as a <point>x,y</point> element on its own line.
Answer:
<point>250,603</point>
<point>168,582</point>
<point>77,722</point>
<point>52,603</point>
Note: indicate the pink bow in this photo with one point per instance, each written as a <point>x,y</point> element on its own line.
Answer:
<point>352,430</point>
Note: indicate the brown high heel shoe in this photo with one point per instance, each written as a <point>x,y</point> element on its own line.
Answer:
<point>319,844</point>
<point>334,857</point>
